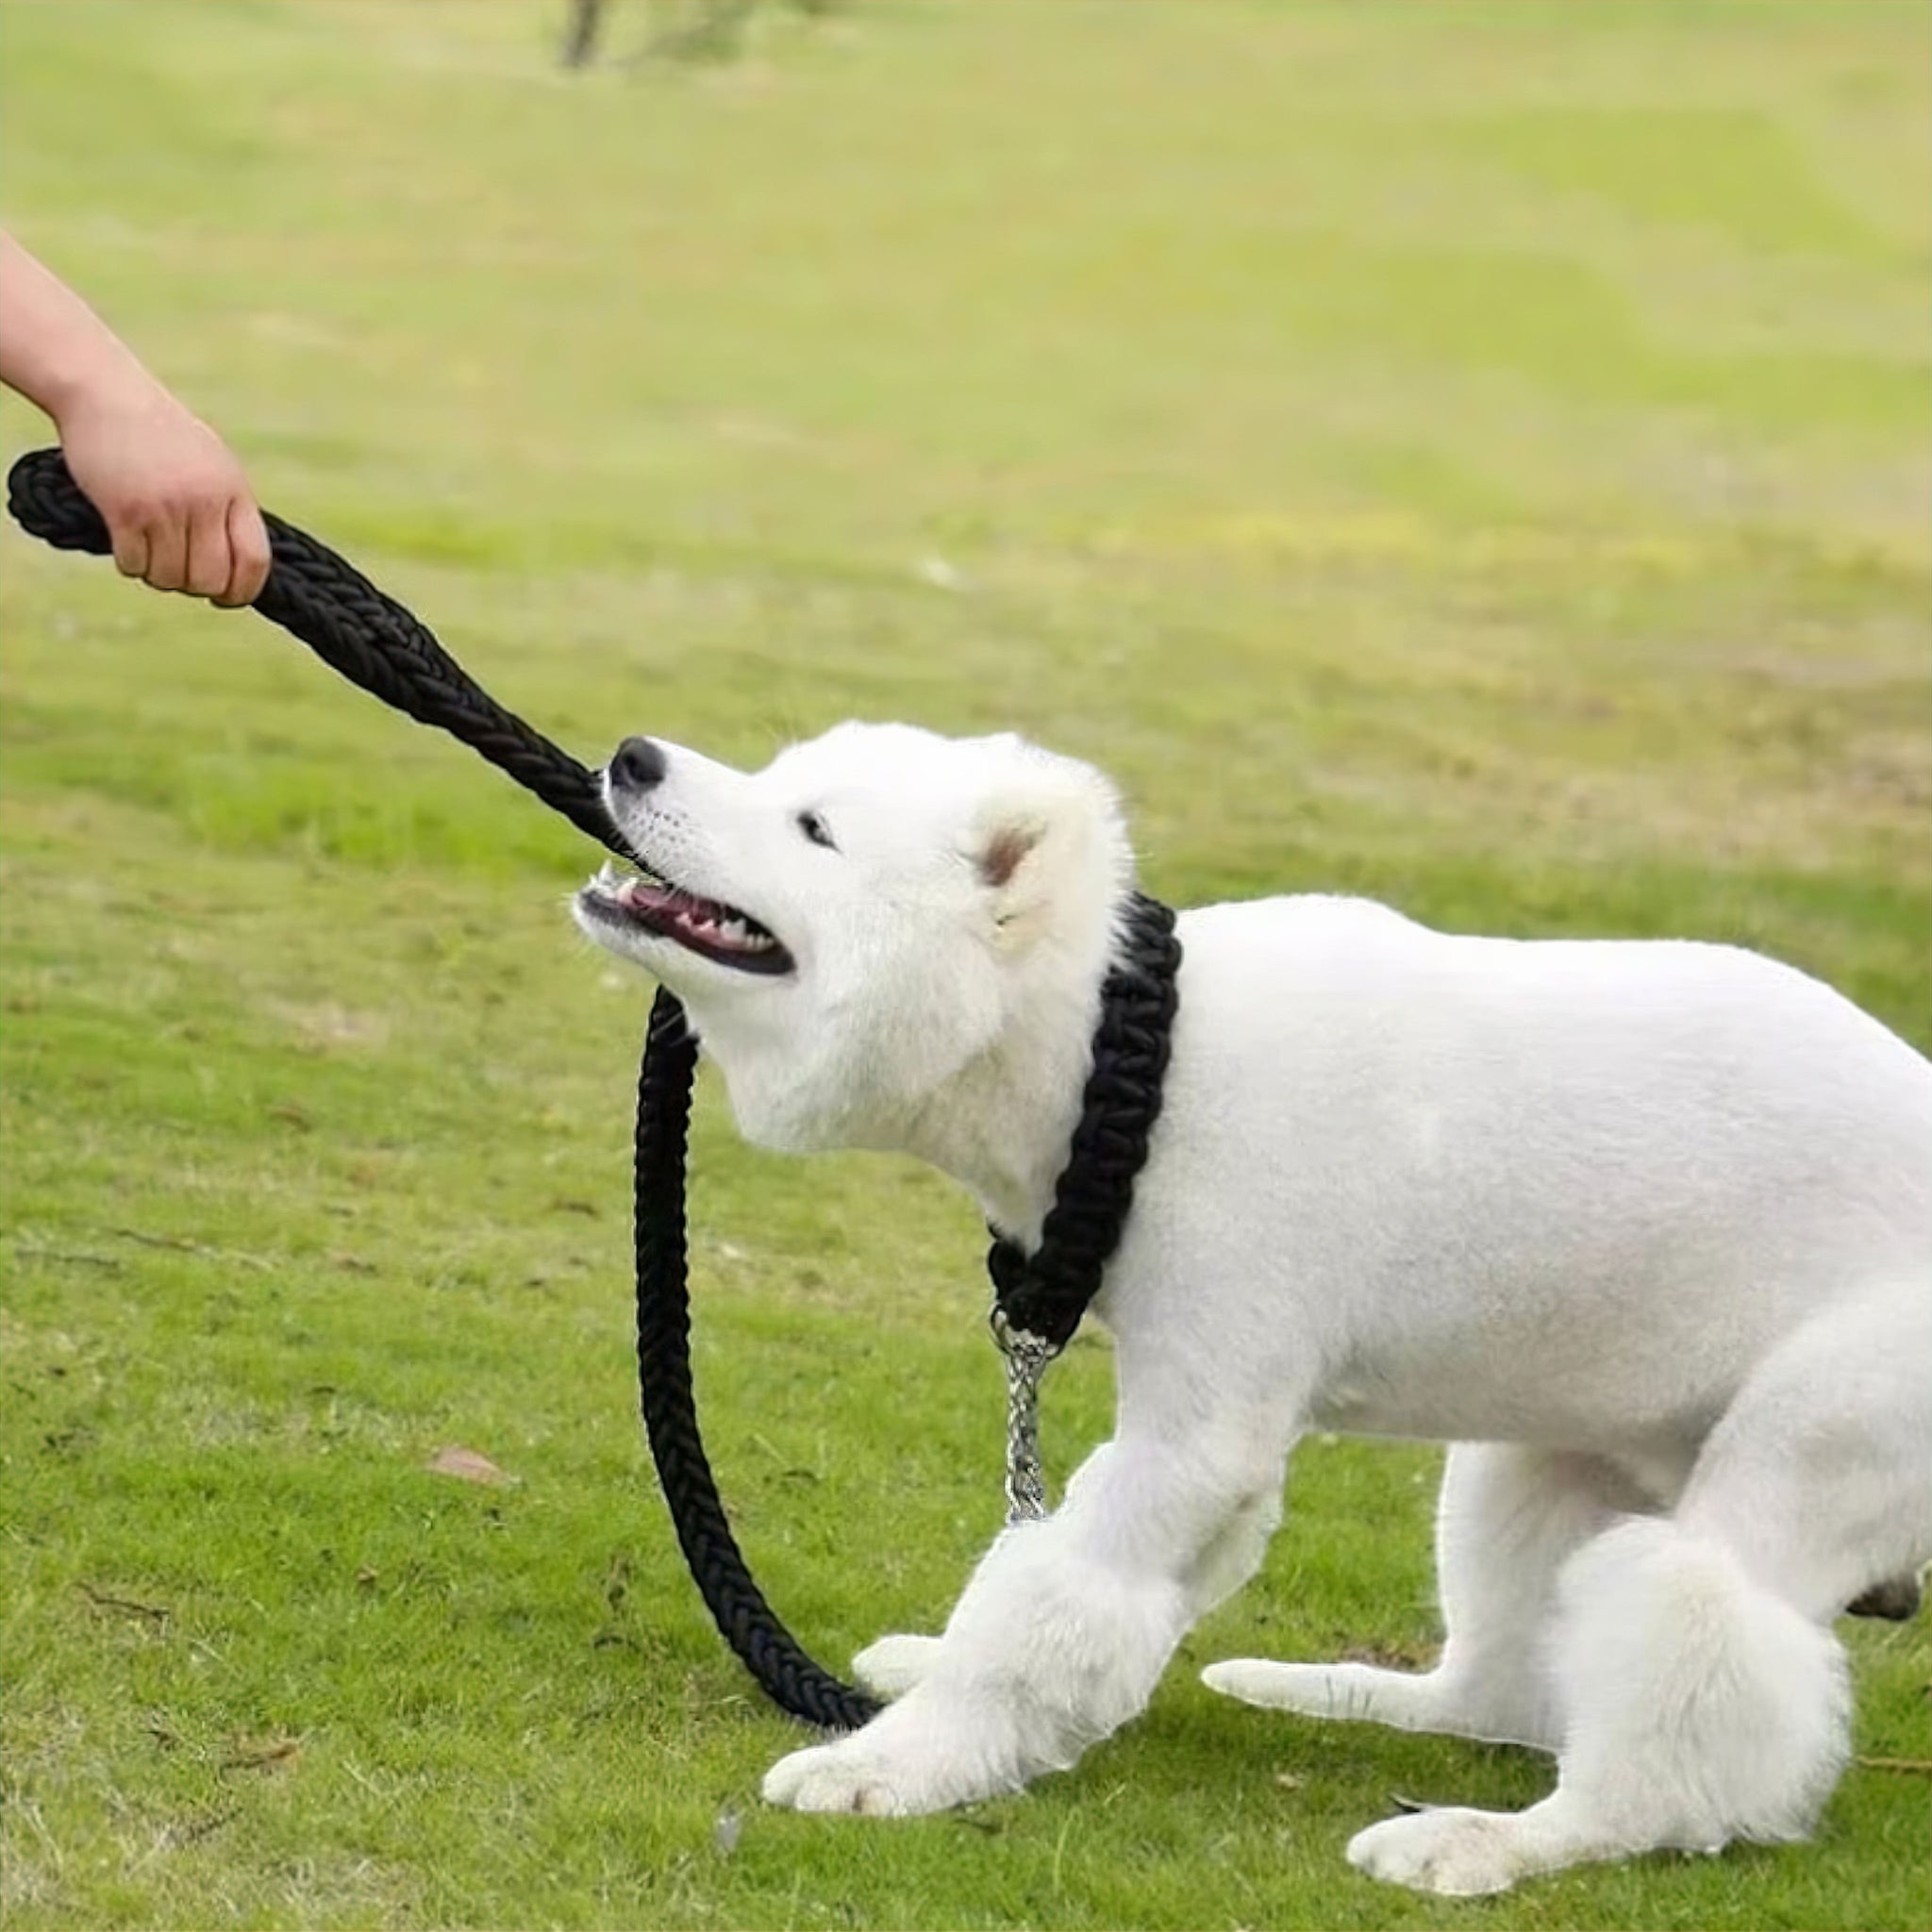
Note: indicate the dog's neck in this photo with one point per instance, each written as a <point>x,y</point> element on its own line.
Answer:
<point>999,1120</point>
<point>1003,1125</point>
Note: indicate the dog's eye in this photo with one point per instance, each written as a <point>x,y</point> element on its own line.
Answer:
<point>816,830</point>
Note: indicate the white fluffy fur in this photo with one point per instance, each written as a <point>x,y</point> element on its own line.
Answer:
<point>1644,1229</point>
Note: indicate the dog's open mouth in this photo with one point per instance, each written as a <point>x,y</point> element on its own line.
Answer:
<point>630,901</point>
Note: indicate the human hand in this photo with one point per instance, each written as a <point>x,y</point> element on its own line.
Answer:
<point>177,503</point>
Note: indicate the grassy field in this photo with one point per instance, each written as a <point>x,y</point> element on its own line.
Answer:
<point>1473,454</point>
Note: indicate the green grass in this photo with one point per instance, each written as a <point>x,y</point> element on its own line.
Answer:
<point>1470,453</point>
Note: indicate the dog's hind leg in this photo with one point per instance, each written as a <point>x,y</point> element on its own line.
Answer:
<point>1701,1692</point>
<point>1820,1476</point>
<point>1508,1519</point>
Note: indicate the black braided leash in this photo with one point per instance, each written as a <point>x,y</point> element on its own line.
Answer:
<point>372,642</point>
<point>790,1678</point>
<point>323,600</point>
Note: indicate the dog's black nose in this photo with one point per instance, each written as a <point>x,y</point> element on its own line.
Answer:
<point>636,765</point>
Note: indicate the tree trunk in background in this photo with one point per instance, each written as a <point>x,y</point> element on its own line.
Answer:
<point>580,40</point>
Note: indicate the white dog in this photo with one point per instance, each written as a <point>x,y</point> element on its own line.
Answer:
<point>1643,1229</point>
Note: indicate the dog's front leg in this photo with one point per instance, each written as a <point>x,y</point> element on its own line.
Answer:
<point>1058,1638</point>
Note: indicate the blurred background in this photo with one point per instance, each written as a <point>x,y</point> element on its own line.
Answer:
<point>1471,454</point>
<point>1465,452</point>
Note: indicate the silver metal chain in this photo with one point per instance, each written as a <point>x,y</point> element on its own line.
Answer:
<point>1026,1359</point>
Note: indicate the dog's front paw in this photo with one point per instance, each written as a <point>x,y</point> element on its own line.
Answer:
<point>1460,1853</point>
<point>835,1777</point>
<point>907,1761</point>
<point>895,1665</point>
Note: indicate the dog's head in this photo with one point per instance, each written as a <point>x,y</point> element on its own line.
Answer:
<point>857,923</point>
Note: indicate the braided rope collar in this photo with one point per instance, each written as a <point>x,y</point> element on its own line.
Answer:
<point>1040,1298</point>
<point>1045,1293</point>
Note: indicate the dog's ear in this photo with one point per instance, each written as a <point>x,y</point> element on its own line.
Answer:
<point>1046,846</point>
<point>1005,850</point>
<point>1014,851</point>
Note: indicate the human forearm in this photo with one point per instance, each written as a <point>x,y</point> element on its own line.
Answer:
<point>53,349</point>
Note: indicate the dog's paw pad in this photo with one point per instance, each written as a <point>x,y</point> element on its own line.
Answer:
<point>895,1665</point>
<point>1459,1852</point>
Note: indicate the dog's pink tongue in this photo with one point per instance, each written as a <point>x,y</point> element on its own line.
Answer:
<point>641,896</point>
